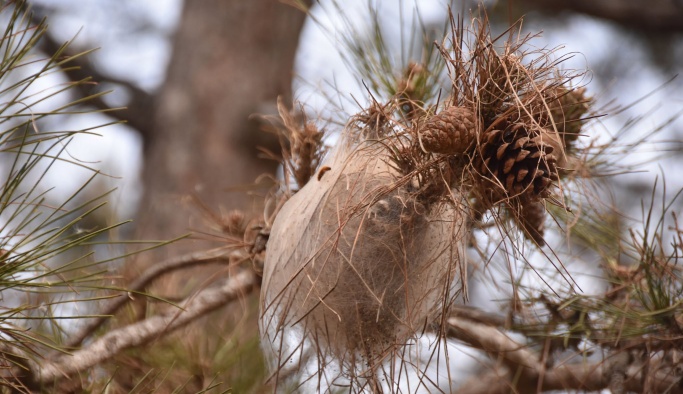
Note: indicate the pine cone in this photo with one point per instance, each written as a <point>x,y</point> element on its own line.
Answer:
<point>451,131</point>
<point>531,220</point>
<point>567,110</point>
<point>521,159</point>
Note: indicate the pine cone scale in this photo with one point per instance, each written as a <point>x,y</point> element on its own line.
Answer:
<point>508,164</point>
<point>521,142</point>
<point>535,155</point>
<point>501,151</point>
<point>493,135</point>
<point>522,155</point>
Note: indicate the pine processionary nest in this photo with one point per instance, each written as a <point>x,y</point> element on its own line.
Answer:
<point>361,264</point>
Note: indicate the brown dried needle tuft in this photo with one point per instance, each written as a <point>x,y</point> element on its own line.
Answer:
<point>303,147</point>
<point>413,91</point>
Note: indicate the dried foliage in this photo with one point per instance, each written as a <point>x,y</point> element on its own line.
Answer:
<point>302,144</point>
<point>529,116</point>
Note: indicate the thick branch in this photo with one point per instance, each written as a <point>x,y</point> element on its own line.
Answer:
<point>493,341</point>
<point>477,315</point>
<point>145,279</point>
<point>527,374</point>
<point>653,15</point>
<point>141,333</point>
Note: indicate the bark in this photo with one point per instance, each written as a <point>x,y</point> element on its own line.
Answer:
<point>229,58</point>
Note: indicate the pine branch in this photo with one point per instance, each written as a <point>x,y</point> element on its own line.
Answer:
<point>526,373</point>
<point>144,332</point>
<point>140,104</point>
<point>493,341</point>
<point>145,279</point>
<point>477,315</point>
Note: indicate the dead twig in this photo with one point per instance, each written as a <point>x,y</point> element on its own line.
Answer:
<point>493,341</point>
<point>477,315</point>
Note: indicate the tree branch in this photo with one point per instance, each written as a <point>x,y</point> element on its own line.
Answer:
<point>654,15</point>
<point>145,279</point>
<point>477,315</point>
<point>493,341</point>
<point>140,104</point>
<point>141,333</point>
<point>527,374</point>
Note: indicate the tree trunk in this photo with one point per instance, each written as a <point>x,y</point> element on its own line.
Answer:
<point>229,58</point>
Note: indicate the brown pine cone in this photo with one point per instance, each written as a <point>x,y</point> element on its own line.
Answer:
<point>531,220</point>
<point>523,160</point>
<point>451,131</point>
<point>567,107</point>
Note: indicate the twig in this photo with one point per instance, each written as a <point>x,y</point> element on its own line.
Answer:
<point>141,333</point>
<point>147,277</point>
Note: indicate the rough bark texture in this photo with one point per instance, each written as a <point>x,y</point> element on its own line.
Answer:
<point>229,58</point>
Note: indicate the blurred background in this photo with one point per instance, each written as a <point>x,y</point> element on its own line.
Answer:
<point>191,75</point>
